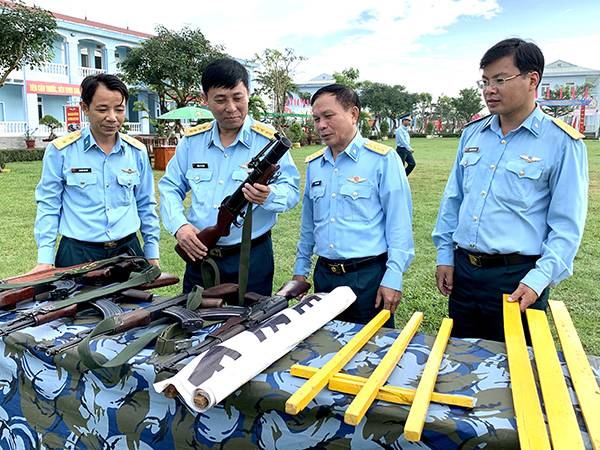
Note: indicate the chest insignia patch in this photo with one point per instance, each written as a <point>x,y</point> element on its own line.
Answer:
<point>199,165</point>
<point>315,183</point>
<point>244,166</point>
<point>471,149</point>
<point>356,179</point>
<point>530,158</point>
<point>81,170</point>
<point>130,171</point>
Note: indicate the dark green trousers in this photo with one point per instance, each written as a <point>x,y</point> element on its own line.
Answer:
<point>71,252</point>
<point>364,282</point>
<point>475,304</point>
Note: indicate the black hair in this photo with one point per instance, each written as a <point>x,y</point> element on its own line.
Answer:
<point>110,82</point>
<point>343,94</point>
<point>527,56</point>
<point>224,72</point>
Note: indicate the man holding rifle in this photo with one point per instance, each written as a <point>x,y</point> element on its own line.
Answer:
<point>211,161</point>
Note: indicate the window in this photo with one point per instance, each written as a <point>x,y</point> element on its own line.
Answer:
<point>98,58</point>
<point>40,107</point>
<point>85,57</point>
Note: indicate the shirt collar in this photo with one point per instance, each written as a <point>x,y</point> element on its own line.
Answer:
<point>243,136</point>
<point>89,141</point>
<point>352,150</point>
<point>533,123</point>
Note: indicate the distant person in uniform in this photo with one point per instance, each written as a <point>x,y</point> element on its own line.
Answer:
<point>513,211</point>
<point>211,162</point>
<point>403,147</point>
<point>97,188</point>
<point>356,211</point>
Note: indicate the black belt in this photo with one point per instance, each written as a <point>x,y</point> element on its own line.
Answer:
<point>352,265</point>
<point>224,251</point>
<point>105,245</point>
<point>485,260</point>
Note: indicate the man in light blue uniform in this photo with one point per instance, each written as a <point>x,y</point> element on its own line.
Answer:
<point>356,211</point>
<point>513,211</point>
<point>97,188</point>
<point>403,147</point>
<point>211,161</point>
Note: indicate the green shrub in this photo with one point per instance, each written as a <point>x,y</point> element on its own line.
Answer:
<point>384,127</point>
<point>20,155</point>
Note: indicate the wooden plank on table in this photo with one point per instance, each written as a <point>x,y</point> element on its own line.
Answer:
<point>351,384</point>
<point>528,410</point>
<point>368,392</point>
<point>584,382</point>
<point>413,428</point>
<point>564,429</point>
<point>298,401</point>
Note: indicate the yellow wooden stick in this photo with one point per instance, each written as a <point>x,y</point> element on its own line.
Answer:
<point>530,420</point>
<point>413,428</point>
<point>564,429</point>
<point>298,401</point>
<point>582,376</point>
<point>365,397</point>
<point>351,384</point>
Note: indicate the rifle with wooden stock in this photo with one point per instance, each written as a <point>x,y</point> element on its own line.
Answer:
<point>62,283</point>
<point>265,171</point>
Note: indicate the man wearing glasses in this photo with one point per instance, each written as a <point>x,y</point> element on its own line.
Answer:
<point>513,211</point>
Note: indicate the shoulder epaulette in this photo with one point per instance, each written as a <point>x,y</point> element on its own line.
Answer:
<point>264,130</point>
<point>199,129</point>
<point>477,120</point>
<point>66,140</point>
<point>315,155</point>
<point>568,129</point>
<point>134,142</point>
<point>378,148</point>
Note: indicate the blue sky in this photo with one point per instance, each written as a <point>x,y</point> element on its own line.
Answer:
<point>426,45</point>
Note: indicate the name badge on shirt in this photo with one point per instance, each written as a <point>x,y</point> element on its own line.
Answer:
<point>315,183</point>
<point>81,170</point>
<point>200,165</point>
<point>471,149</point>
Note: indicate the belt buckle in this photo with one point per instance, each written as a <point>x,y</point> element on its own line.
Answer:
<point>337,268</point>
<point>215,252</point>
<point>110,245</point>
<point>475,260</point>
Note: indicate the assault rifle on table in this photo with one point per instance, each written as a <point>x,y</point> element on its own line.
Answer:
<point>61,284</point>
<point>106,305</point>
<point>169,307</point>
<point>265,171</point>
<point>252,316</point>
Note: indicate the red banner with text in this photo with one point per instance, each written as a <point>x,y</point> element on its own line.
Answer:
<point>73,118</point>
<point>49,88</point>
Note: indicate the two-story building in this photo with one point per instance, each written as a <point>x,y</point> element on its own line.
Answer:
<point>563,74</point>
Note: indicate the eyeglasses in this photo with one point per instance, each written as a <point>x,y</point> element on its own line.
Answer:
<point>495,82</point>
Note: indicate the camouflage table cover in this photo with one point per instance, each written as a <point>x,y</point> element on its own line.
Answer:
<point>54,403</point>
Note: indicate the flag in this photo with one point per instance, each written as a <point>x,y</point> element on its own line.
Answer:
<point>440,125</point>
<point>560,94</point>
<point>574,122</point>
<point>426,119</point>
<point>548,94</point>
<point>585,96</point>
<point>573,93</point>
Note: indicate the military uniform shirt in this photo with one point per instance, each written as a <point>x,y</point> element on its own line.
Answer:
<point>87,195</point>
<point>403,138</point>
<point>524,193</point>
<point>211,172</point>
<point>357,206</point>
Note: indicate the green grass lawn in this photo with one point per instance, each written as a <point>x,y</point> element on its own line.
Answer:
<point>434,159</point>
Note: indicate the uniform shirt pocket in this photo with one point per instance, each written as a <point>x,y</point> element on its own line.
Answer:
<point>317,195</point>
<point>524,179</point>
<point>80,188</point>
<point>127,183</point>
<point>469,166</point>
<point>199,180</point>
<point>357,205</point>
<point>239,176</point>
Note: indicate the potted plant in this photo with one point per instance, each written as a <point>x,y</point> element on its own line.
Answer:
<point>29,138</point>
<point>52,123</point>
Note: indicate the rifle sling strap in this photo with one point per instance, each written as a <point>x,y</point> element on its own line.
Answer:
<point>110,324</point>
<point>245,255</point>
<point>207,280</point>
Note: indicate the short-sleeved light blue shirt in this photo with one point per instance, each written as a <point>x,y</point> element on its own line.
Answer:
<point>357,206</point>
<point>402,137</point>
<point>524,193</point>
<point>201,165</point>
<point>87,195</point>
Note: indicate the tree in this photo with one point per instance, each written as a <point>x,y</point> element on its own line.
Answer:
<point>567,94</point>
<point>27,37</point>
<point>348,77</point>
<point>52,123</point>
<point>443,110</point>
<point>384,100</point>
<point>256,107</point>
<point>467,104</point>
<point>424,109</point>
<point>275,77</point>
<point>171,64</point>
